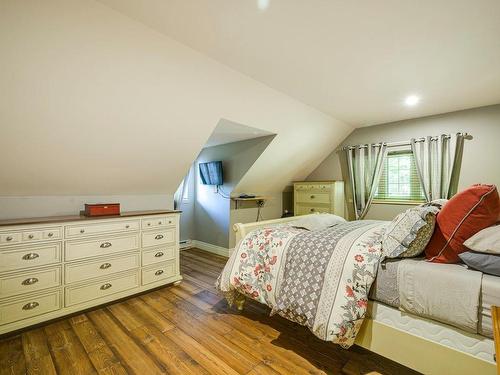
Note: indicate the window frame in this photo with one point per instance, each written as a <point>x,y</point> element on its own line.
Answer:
<point>185,197</point>
<point>399,200</point>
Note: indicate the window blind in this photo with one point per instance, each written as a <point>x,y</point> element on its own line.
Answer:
<point>399,179</point>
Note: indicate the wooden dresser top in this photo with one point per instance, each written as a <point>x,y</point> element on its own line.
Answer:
<point>59,219</point>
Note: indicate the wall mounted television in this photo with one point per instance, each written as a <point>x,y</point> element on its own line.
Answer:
<point>211,173</point>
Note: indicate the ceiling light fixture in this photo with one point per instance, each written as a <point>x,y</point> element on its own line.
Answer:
<point>262,4</point>
<point>412,100</point>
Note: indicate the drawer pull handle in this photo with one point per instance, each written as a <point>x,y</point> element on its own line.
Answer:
<point>106,286</point>
<point>105,266</point>
<point>50,234</point>
<point>9,238</point>
<point>158,236</point>
<point>159,272</point>
<point>82,230</point>
<point>170,221</point>
<point>31,306</point>
<point>159,254</point>
<point>30,281</point>
<point>149,224</point>
<point>31,236</point>
<point>312,210</point>
<point>105,245</point>
<point>127,226</point>
<point>312,196</point>
<point>30,256</point>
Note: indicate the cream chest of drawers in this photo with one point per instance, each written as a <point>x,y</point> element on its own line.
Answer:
<point>318,196</point>
<point>56,266</point>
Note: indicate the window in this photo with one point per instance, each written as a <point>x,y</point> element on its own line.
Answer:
<point>185,197</point>
<point>399,180</point>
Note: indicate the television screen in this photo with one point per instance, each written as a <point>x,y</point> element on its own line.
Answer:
<point>211,173</point>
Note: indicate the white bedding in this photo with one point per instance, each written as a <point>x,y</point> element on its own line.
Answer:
<point>319,279</point>
<point>453,299</point>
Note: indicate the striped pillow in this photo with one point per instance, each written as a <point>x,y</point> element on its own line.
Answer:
<point>409,233</point>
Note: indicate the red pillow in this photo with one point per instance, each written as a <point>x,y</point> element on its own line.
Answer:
<point>467,213</point>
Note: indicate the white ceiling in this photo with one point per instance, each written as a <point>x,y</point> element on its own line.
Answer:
<point>95,103</point>
<point>228,131</point>
<point>354,60</point>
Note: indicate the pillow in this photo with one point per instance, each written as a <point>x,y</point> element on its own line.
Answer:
<point>318,221</point>
<point>409,233</point>
<point>439,203</point>
<point>464,215</point>
<point>485,241</point>
<point>487,263</point>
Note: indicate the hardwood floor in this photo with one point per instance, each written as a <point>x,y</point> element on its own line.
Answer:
<point>184,329</point>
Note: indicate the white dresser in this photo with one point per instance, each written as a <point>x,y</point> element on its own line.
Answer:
<point>55,266</point>
<point>318,196</point>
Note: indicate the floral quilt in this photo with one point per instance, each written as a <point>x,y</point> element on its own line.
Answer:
<point>319,279</point>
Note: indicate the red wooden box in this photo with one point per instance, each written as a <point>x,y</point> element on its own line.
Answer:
<point>102,209</point>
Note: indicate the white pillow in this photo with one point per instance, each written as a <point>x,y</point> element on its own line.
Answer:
<point>318,221</point>
<point>485,241</point>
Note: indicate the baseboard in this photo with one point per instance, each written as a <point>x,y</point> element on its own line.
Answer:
<point>219,250</point>
<point>187,244</point>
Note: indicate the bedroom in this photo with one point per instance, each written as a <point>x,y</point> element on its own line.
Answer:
<point>112,102</point>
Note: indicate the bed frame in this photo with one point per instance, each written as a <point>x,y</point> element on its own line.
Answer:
<point>416,352</point>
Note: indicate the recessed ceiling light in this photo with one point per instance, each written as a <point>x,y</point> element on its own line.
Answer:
<point>263,4</point>
<point>412,100</point>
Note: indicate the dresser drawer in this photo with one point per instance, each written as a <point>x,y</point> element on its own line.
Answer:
<point>29,281</point>
<point>29,256</point>
<point>312,209</point>
<point>319,187</point>
<point>98,289</point>
<point>158,272</point>
<point>29,306</point>
<point>97,268</point>
<point>7,238</point>
<point>158,255</point>
<point>31,235</point>
<point>83,230</point>
<point>52,234</point>
<point>157,222</point>
<point>97,247</point>
<point>43,234</point>
<point>158,237</point>
<point>312,197</point>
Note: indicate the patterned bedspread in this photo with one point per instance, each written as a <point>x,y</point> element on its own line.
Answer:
<point>319,279</point>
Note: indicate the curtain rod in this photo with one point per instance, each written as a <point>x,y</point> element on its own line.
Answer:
<point>407,143</point>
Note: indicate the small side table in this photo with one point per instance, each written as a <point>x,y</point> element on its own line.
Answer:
<point>495,316</point>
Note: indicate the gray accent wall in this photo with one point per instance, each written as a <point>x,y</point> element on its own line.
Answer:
<point>481,161</point>
<point>206,215</point>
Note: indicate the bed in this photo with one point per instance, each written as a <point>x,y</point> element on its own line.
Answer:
<point>374,319</point>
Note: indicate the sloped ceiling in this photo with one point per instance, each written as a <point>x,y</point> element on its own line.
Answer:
<point>355,60</point>
<point>93,102</point>
<point>228,132</point>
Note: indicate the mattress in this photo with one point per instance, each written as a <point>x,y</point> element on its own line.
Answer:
<point>385,290</point>
<point>444,334</point>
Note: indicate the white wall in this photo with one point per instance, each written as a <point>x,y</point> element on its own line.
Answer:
<point>481,154</point>
<point>186,223</point>
<point>94,103</point>
<point>37,206</point>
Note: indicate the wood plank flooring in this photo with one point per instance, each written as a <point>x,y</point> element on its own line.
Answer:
<point>184,329</point>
